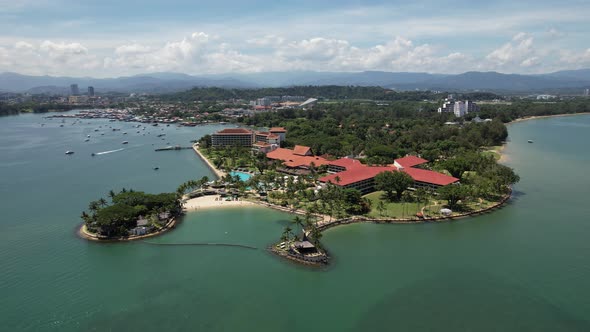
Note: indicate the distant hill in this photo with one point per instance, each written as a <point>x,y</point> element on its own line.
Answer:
<point>493,81</point>
<point>154,83</point>
<point>580,74</point>
<point>164,82</point>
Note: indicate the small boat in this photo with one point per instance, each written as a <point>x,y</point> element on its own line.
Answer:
<point>530,141</point>
<point>156,168</point>
<point>125,142</point>
<point>125,133</point>
<point>88,136</point>
<point>95,129</point>
<point>69,152</point>
<point>61,125</point>
<point>93,154</point>
<point>86,140</point>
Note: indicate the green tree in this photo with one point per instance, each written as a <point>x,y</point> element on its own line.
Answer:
<point>391,182</point>
<point>453,194</point>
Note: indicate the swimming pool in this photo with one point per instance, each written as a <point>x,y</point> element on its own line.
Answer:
<point>243,176</point>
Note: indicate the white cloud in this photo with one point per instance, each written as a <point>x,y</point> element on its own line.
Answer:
<point>200,53</point>
<point>520,50</point>
<point>268,40</point>
<point>576,59</point>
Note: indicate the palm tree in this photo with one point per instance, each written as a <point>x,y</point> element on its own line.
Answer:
<point>85,217</point>
<point>381,208</point>
<point>299,222</point>
<point>287,234</point>
<point>93,206</point>
<point>102,202</point>
<point>112,194</point>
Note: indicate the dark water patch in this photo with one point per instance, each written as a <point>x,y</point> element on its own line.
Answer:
<point>467,300</point>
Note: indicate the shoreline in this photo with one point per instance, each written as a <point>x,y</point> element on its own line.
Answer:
<point>537,117</point>
<point>503,156</point>
<point>215,171</point>
<point>85,234</point>
<point>209,202</point>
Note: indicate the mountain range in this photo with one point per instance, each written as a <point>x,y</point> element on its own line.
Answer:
<point>562,81</point>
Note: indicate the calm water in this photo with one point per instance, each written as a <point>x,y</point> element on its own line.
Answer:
<point>523,268</point>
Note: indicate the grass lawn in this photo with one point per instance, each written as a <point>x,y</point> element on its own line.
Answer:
<point>392,209</point>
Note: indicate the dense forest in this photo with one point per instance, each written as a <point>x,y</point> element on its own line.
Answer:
<point>14,109</point>
<point>381,134</point>
<point>527,108</point>
<point>323,92</point>
<point>117,218</point>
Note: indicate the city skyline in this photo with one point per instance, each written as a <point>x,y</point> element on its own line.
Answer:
<point>109,39</point>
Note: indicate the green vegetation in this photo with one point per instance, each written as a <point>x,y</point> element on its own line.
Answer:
<point>324,92</point>
<point>391,182</point>
<point>526,108</point>
<point>14,109</point>
<point>119,217</point>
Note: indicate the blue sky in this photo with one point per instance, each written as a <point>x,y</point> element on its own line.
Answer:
<point>114,38</point>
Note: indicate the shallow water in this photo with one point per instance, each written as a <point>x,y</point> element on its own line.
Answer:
<point>522,268</point>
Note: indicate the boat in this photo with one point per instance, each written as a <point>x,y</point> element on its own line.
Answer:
<point>86,140</point>
<point>61,125</point>
<point>125,133</point>
<point>93,154</point>
<point>88,136</point>
<point>69,152</point>
<point>125,142</point>
<point>156,168</point>
<point>530,141</point>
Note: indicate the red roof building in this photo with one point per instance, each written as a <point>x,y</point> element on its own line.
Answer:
<point>343,164</point>
<point>351,173</point>
<point>409,161</point>
<point>232,137</point>
<point>299,157</point>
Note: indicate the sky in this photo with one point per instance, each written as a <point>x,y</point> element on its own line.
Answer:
<point>108,38</point>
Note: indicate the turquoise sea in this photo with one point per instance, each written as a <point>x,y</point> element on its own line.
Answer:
<point>525,267</point>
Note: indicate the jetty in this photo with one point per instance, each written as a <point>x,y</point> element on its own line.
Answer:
<point>172,148</point>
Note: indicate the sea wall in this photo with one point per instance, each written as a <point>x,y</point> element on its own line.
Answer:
<point>219,174</point>
<point>351,220</point>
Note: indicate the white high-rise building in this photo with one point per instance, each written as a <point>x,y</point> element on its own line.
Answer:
<point>460,109</point>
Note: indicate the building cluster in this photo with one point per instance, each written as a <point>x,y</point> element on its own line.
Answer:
<point>344,172</point>
<point>76,98</point>
<point>458,107</point>
<point>281,102</point>
<point>351,173</point>
<point>262,141</point>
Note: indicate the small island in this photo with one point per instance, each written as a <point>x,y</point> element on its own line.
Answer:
<point>131,215</point>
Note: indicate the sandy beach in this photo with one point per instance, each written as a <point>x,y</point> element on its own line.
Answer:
<point>205,202</point>
<point>545,117</point>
